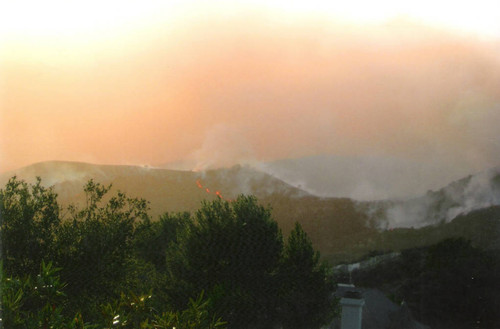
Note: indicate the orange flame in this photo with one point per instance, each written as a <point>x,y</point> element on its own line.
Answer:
<point>217,193</point>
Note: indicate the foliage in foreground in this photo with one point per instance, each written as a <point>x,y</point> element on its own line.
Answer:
<point>121,269</point>
<point>41,303</point>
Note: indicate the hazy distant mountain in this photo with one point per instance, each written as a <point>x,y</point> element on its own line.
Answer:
<point>364,178</point>
<point>474,192</point>
<point>341,228</point>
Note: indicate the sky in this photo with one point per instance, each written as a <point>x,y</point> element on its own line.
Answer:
<point>214,83</point>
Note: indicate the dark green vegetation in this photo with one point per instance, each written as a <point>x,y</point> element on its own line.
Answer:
<point>338,227</point>
<point>107,264</point>
<point>113,255</point>
<point>481,227</point>
<point>451,284</point>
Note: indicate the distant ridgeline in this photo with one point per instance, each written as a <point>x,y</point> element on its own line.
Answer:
<point>342,229</point>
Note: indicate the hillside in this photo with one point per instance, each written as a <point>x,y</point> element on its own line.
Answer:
<point>166,190</point>
<point>332,223</point>
<point>481,227</point>
<point>341,228</point>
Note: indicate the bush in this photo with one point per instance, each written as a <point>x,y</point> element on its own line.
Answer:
<point>234,251</point>
<point>122,269</point>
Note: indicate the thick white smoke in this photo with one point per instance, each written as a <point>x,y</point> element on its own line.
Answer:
<point>461,197</point>
<point>223,146</point>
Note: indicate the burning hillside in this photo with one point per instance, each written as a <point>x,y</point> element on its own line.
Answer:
<point>340,228</point>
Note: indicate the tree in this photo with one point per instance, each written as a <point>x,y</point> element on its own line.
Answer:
<point>153,239</point>
<point>95,246</point>
<point>37,302</point>
<point>234,252</point>
<point>120,267</point>
<point>456,286</point>
<point>41,302</point>
<point>29,217</point>
<point>306,285</point>
<point>451,284</point>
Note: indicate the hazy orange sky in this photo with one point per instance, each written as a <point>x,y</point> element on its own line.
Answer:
<point>216,83</point>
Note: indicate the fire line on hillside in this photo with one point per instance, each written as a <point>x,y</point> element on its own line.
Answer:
<point>217,193</point>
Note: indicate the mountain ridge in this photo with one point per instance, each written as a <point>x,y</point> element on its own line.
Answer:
<point>171,190</point>
<point>341,229</point>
